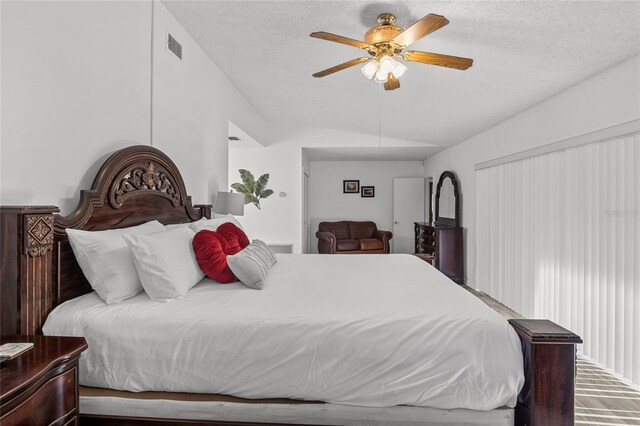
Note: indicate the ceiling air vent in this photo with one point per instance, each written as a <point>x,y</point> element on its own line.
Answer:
<point>174,46</point>
<point>234,138</point>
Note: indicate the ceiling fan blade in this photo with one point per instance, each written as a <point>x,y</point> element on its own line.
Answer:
<point>340,39</point>
<point>438,59</point>
<point>340,67</point>
<point>423,27</point>
<point>392,83</point>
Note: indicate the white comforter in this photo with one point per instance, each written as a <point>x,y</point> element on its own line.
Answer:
<point>373,330</point>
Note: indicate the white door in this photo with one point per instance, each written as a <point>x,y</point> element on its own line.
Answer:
<point>408,207</point>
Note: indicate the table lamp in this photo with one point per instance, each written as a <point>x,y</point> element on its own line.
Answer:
<point>229,203</point>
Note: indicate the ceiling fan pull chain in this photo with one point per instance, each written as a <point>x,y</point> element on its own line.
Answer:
<point>379,116</point>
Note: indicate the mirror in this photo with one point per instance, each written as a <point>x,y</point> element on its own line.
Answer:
<point>447,203</point>
<point>447,200</point>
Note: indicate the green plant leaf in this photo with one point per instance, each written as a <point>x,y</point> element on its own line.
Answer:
<point>248,180</point>
<point>261,183</point>
<point>250,198</point>
<point>239,187</point>
<point>252,190</point>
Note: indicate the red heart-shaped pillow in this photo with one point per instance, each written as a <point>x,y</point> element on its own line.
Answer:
<point>211,251</point>
<point>234,236</point>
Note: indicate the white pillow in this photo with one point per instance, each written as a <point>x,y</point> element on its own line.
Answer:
<point>106,260</point>
<point>212,224</point>
<point>166,263</point>
<point>252,264</point>
<point>188,224</point>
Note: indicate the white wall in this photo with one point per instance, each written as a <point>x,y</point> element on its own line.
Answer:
<point>193,102</point>
<point>77,85</point>
<point>280,220</point>
<point>607,99</point>
<point>328,203</point>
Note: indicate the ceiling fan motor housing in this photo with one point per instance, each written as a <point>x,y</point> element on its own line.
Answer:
<point>384,32</point>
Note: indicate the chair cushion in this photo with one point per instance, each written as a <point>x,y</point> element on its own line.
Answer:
<point>347,245</point>
<point>339,229</point>
<point>371,244</point>
<point>358,230</point>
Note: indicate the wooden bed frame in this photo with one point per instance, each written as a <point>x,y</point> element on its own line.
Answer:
<point>140,183</point>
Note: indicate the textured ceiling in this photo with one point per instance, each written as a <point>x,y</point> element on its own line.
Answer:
<point>524,52</point>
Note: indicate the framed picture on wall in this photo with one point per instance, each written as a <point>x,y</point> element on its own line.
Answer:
<point>350,186</point>
<point>368,192</point>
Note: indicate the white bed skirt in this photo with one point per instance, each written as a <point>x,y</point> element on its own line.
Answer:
<point>327,414</point>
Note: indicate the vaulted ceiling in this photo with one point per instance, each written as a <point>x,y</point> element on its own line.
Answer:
<point>524,52</point>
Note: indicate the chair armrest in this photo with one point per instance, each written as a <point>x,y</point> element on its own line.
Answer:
<point>326,242</point>
<point>325,235</point>
<point>384,236</point>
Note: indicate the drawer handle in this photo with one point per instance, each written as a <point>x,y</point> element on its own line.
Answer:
<point>420,249</point>
<point>433,244</point>
<point>433,233</point>
<point>420,239</point>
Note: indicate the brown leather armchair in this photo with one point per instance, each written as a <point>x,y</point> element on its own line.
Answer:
<point>352,237</point>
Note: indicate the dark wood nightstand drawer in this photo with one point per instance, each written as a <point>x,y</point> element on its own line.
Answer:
<point>429,258</point>
<point>40,386</point>
<point>429,243</point>
<point>53,401</point>
<point>425,231</point>
<point>428,249</point>
<point>426,240</point>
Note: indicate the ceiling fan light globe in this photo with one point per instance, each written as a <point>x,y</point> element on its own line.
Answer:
<point>381,77</point>
<point>399,69</point>
<point>387,64</point>
<point>370,68</point>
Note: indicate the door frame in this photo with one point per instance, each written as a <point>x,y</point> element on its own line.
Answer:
<point>429,196</point>
<point>393,203</point>
<point>306,214</point>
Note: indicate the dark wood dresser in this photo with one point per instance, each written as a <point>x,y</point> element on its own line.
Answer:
<point>40,386</point>
<point>442,244</point>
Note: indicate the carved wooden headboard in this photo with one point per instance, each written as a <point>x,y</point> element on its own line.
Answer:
<point>39,271</point>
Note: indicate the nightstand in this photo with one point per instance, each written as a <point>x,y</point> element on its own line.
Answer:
<point>40,386</point>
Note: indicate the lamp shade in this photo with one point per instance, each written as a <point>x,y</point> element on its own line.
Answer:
<point>370,68</point>
<point>387,65</point>
<point>229,203</point>
<point>399,69</point>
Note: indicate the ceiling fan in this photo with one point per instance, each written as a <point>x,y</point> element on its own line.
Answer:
<point>388,40</point>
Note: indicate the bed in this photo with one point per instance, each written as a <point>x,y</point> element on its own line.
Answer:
<point>460,364</point>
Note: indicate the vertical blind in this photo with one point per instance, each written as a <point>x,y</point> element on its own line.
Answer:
<point>558,237</point>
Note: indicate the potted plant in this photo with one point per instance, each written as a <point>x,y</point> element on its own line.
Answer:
<point>252,189</point>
